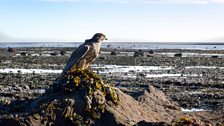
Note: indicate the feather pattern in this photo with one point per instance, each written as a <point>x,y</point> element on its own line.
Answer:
<point>78,54</point>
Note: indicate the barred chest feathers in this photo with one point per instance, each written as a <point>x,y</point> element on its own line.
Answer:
<point>93,52</point>
<point>96,50</point>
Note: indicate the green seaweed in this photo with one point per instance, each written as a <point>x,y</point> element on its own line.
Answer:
<point>84,83</point>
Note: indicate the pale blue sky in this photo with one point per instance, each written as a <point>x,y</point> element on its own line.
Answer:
<point>120,20</point>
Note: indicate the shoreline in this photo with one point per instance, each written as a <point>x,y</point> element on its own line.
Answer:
<point>121,45</point>
<point>130,70</point>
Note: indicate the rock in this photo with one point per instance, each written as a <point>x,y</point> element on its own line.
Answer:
<point>103,58</point>
<point>23,54</point>
<point>12,50</point>
<point>139,53</point>
<point>113,53</point>
<point>108,46</point>
<point>156,101</point>
<point>130,111</point>
<point>62,53</point>
<point>26,87</point>
<point>54,53</point>
<point>151,51</point>
<point>10,122</point>
<point>87,100</point>
<point>178,55</point>
<point>215,56</point>
<point>98,98</point>
<point>143,123</point>
<point>150,55</point>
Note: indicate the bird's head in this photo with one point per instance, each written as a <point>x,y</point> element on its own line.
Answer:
<point>99,37</point>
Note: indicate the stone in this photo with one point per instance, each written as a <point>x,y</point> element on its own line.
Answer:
<point>86,100</point>
<point>113,53</point>
<point>178,55</point>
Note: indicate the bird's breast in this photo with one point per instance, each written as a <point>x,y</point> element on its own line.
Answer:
<point>93,52</point>
<point>96,48</point>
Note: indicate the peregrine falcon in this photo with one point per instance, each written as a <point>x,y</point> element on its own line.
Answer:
<point>85,54</point>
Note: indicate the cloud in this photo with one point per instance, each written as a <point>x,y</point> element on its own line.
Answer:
<point>146,1</point>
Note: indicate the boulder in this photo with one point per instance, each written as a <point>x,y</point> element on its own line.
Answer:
<point>12,50</point>
<point>23,54</point>
<point>113,53</point>
<point>155,101</point>
<point>62,53</point>
<point>178,55</point>
<point>139,53</point>
<point>54,53</point>
<point>151,51</point>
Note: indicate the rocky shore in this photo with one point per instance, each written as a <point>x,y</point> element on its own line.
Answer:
<point>193,79</point>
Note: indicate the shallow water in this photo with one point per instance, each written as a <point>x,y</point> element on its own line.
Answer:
<point>126,69</point>
<point>193,110</point>
<point>103,69</point>
<point>28,71</point>
<point>170,54</point>
<point>203,67</point>
<point>121,45</point>
<point>39,91</point>
<point>120,70</point>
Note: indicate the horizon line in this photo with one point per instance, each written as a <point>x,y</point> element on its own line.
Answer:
<point>137,42</point>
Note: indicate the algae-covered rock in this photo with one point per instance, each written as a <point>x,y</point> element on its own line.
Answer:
<point>84,99</point>
<point>80,101</point>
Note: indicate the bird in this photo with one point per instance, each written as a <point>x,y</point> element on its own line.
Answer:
<point>85,54</point>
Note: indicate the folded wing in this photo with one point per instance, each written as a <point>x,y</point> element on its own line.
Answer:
<point>78,54</point>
